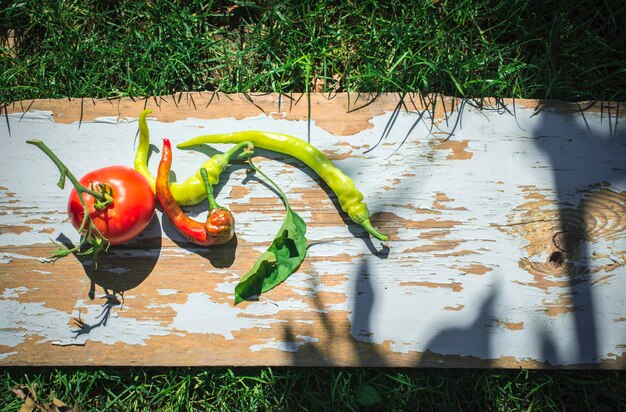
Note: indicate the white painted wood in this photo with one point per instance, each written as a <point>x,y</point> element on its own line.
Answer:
<point>466,279</point>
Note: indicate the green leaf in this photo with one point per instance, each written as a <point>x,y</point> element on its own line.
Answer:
<point>282,258</point>
<point>368,396</point>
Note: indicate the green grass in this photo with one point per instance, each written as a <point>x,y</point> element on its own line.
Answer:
<point>567,49</point>
<point>327,389</point>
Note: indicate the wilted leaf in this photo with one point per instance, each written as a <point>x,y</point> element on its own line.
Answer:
<point>317,85</point>
<point>47,407</point>
<point>29,396</point>
<point>59,403</point>
<point>22,391</point>
<point>29,405</point>
<point>282,258</point>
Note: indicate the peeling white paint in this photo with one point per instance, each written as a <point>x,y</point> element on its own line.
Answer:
<point>33,320</point>
<point>13,292</point>
<point>394,299</point>
<point>293,346</point>
<point>12,256</point>
<point>266,307</point>
<point>119,270</point>
<point>7,355</point>
<point>167,292</point>
<point>106,120</point>
<point>43,272</point>
<point>200,314</point>
<point>32,116</point>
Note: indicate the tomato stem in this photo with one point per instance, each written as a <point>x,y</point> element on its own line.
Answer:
<point>87,230</point>
<point>102,196</point>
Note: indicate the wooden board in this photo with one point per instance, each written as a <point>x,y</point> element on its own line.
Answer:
<point>506,221</point>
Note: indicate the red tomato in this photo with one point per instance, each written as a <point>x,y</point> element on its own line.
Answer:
<point>131,210</point>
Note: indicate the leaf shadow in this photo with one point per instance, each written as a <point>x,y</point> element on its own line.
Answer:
<point>580,196</point>
<point>473,341</point>
<point>86,328</point>
<point>473,345</point>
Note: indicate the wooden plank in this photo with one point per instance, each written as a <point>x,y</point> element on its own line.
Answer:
<point>506,220</point>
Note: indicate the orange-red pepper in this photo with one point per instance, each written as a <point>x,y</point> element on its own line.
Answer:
<point>219,227</point>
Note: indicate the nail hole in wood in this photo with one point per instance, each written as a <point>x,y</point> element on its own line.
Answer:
<point>557,258</point>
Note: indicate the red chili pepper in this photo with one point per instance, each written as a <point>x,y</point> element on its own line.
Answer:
<point>220,224</point>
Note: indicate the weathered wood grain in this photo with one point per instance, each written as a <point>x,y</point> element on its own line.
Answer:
<point>506,220</point>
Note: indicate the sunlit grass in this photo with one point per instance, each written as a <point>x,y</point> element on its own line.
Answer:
<point>564,49</point>
<point>261,389</point>
<point>515,48</point>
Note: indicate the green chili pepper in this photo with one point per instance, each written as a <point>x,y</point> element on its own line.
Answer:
<point>350,198</point>
<point>192,190</point>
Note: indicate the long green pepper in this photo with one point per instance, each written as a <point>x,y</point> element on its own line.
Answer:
<point>350,198</point>
<point>192,190</point>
